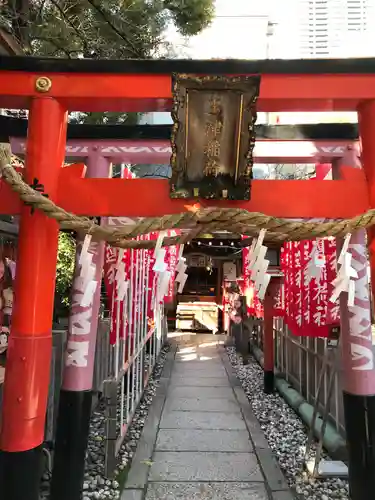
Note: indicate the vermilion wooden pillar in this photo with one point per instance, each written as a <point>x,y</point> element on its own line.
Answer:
<point>359,385</point>
<point>30,342</point>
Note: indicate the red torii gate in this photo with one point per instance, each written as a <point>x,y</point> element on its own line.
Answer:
<point>48,88</point>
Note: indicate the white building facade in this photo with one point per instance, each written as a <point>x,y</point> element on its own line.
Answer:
<point>323,29</point>
<point>329,29</point>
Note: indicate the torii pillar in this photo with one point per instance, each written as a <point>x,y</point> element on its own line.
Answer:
<point>358,352</point>
<point>271,294</point>
<point>30,340</point>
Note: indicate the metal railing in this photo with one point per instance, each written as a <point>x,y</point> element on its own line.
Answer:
<point>101,372</point>
<point>103,363</point>
<point>57,364</point>
<point>299,360</point>
<point>133,356</point>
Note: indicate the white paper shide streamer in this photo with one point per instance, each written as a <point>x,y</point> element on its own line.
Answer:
<point>87,273</point>
<point>122,284</point>
<point>181,270</point>
<point>258,265</point>
<point>344,281</point>
<point>160,268</point>
<point>315,265</point>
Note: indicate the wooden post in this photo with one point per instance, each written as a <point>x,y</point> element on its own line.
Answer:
<point>30,342</point>
<point>268,339</point>
<point>268,373</point>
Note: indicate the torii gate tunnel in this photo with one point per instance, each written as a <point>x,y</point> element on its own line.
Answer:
<point>49,89</point>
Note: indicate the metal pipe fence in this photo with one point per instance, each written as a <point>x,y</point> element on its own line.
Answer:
<point>59,338</point>
<point>134,355</point>
<point>299,360</point>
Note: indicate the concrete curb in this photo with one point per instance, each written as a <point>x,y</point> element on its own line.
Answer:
<point>333,442</point>
<point>136,481</point>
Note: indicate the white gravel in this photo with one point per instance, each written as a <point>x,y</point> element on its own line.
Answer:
<point>96,486</point>
<point>285,433</point>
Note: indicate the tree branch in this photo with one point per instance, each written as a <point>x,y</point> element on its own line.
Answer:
<point>104,15</point>
<point>153,175</point>
<point>71,24</point>
<point>57,45</point>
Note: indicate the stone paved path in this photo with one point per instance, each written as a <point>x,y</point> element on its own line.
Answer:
<point>201,440</point>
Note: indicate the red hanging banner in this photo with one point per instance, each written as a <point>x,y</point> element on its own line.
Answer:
<point>308,286</point>
<point>279,300</point>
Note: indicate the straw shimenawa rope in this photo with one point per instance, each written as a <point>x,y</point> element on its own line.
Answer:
<point>195,222</point>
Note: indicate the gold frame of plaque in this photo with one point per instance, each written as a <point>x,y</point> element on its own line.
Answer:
<point>213,136</point>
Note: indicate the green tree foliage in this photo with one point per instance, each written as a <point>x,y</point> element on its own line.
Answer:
<point>98,29</point>
<point>111,29</point>
<point>108,118</point>
<point>102,29</point>
<point>64,272</point>
<point>190,16</point>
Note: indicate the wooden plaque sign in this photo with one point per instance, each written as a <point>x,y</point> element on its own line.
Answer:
<point>213,136</point>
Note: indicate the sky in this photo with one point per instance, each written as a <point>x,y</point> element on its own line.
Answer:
<point>238,31</point>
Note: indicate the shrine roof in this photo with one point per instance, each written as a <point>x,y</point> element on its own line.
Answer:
<point>168,66</point>
<point>16,127</point>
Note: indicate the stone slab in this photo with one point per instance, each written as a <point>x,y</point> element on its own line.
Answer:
<point>203,440</point>
<point>201,346</point>
<point>201,404</point>
<point>201,392</point>
<point>208,372</point>
<point>197,362</point>
<point>181,380</point>
<point>132,495</point>
<point>210,354</point>
<point>202,420</point>
<point>198,466</point>
<point>198,366</point>
<point>206,491</point>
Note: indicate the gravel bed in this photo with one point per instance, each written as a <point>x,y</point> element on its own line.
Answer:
<point>96,486</point>
<point>286,435</point>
